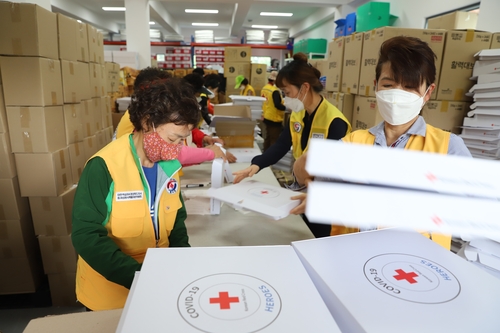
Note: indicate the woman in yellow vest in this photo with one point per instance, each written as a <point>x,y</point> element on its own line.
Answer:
<point>273,110</point>
<point>128,197</point>
<point>242,84</point>
<point>404,81</point>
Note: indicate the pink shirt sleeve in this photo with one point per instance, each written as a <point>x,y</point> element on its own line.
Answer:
<point>192,155</point>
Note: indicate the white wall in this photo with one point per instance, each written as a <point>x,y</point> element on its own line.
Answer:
<point>488,16</point>
<point>326,30</point>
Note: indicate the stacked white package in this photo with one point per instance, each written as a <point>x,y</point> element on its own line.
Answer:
<point>485,111</point>
<point>225,290</point>
<point>244,155</point>
<point>393,281</point>
<point>254,102</point>
<point>484,253</point>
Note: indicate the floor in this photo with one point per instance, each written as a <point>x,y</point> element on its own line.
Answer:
<point>16,311</point>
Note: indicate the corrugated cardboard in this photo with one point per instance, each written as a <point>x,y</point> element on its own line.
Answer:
<point>365,113</point>
<point>31,81</point>
<point>335,59</point>
<point>12,205</point>
<point>99,50</point>
<point>15,236</point>
<point>8,165</point>
<point>52,215</point>
<point>100,138</point>
<point>322,66</point>
<point>258,77</point>
<point>237,54</point>
<point>3,115</point>
<point>44,174</point>
<point>452,21</point>
<point>242,111</point>
<point>116,117</point>
<point>108,134</point>
<point>82,43</point>
<point>92,43</point>
<point>107,121</point>
<point>67,41</point>
<point>77,159</point>
<point>97,108</point>
<point>90,146</point>
<point>353,50</point>
<point>58,254</point>
<point>112,76</point>
<point>343,102</point>
<point>236,134</point>
<point>21,275</point>
<point>36,129</point>
<point>71,82</point>
<point>73,123</point>
<point>28,30</point>
<point>233,69</point>
<point>446,115</point>
<point>458,63</point>
<point>87,111</point>
<point>84,80</point>
<point>371,46</point>
<point>495,41</point>
<point>96,85</point>
<point>62,289</point>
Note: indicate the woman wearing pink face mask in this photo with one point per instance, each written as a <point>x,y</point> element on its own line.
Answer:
<point>404,81</point>
<point>128,198</point>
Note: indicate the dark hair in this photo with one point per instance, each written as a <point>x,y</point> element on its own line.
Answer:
<point>212,81</point>
<point>244,82</point>
<point>412,61</point>
<point>170,101</point>
<point>195,80</point>
<point>150,74</point>
<point>199,70</point>
<point>298,72</point>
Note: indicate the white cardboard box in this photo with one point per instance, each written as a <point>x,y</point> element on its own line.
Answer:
<point>225,290</point>
<point>400,282</point>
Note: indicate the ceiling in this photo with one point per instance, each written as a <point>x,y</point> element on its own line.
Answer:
<point>169,15</point>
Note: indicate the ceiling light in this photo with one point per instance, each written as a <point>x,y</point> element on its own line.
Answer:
<point>151,23</point>
<point>275,14</point>
<point>205,24</point>
<point>202,11</point>
<point>114,9</point>
<point>265,26</point>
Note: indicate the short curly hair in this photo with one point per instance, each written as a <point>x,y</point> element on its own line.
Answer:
<point>170,101</point>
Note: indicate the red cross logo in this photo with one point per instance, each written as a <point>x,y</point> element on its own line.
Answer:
<point>431,177</point>
<point>264,192</point>
<point>402,275</point>
<point>437,220</point>
<point>224,300</point>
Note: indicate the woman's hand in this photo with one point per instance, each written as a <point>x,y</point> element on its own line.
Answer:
<point>242,174</point>
<point>301,208</point>
<point>208,140</point>
<point>217,151</point>
<point>230,157</point>
<point>299,170</point>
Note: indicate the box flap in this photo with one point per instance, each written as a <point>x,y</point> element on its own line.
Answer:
<point>242,111</point>
<point>230,127</point>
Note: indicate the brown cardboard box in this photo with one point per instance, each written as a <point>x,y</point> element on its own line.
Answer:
<point>353,50</point>
<point>100,139</point>
<point>365,113</point>
<point>66,31</point>
<point>58,254</point>
<point>242,111</point>
<point>495,41</point>
<point>258,77</point>
<point>452,21</point>
<point>99,51</point>
<point>446,115</point>
<point>17,237</point>
<point>112,76</point>
<point>12,205</point>
<point>82,42</point>
<point>233,69</point>
<point>52,215</point>
<point>28,30</point>
<point>322,66</point>
<point>236,134</point>
<point>21,275</point>
<point>97,109</point>
<point>458,63</point>
<point>84,80</point>
<point>31,81</point>
<point>108,134</point>
<point>36,129</point>
<point>71,82</point>
<point>90,146</point>
<point>73,123</point>
<point>8,164</point>
<point>237,54</point>
<point>107,121</point>
<point>102,81</point>
<point>92,42</point>
<point>371,46</point>
<point>77,159</point>
<point>3,113</point>
<point>96,85</point>
<point>116,117</point>
<point>87,111</point>
<point>44,174</point>
<point>343,102</point>
<point>335,60</point>
<point>62,289</point>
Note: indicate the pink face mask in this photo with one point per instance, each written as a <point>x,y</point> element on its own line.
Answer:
<point>157,149</point>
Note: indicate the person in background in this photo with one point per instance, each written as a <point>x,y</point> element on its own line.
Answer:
<point>199,71</point>
<point>404,81</point>
<point>312,117</point>
<point>212,82</point>
<point>196,81</point>
<point>273,111</point>
<point>128,198</point>
<point>242,84</point>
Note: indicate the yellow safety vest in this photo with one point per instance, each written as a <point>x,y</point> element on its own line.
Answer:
<point>125,126</point>
<point>324,116</point>
<point>129,223</point>
<point>268,108</point>
<point>435,141</point>
<point>245,91</point>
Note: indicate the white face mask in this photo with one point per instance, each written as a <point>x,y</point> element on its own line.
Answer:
<point>295,104</point>
<point>397,107</point>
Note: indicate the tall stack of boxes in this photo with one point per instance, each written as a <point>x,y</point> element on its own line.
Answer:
<point>236,62</point>
<point>53,105</point>
<point>258,77</point>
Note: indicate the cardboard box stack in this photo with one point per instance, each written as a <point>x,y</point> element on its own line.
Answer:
<point>236,62</point>
<point>52,106</point>
<point>481,131</point>
<point>343,102</point>
<point>258,77</point>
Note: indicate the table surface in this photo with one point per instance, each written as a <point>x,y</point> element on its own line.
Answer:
<point>234,228</point>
